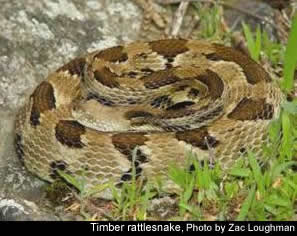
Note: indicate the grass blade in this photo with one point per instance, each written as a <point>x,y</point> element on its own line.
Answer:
<point>290,57</point>
<point>258,177</point>
<point>286,128</point>
<point>258,44</point>
<point>246,205</point>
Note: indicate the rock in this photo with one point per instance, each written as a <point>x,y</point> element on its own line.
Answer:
<point>36,38</point>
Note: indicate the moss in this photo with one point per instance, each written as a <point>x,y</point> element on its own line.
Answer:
<point>59,193</point>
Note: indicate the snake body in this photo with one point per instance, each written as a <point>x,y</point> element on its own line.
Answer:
<point>160,99</point>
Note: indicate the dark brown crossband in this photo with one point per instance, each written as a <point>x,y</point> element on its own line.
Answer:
<point>214,83</point>
<point>74,67</point>
<point>114,54</point>
<point>106,78</point>
<point>252,109</point>
<point>43,100</point>
<point>169,48</point>
<point>126,142</point>
<point>159,79</point>
<point>254,72</point>
<point>198,138</point>
<point>68,132</point>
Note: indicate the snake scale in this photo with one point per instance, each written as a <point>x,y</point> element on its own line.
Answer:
<point>162,98</point>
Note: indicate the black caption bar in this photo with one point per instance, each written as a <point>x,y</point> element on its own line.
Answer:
<point>116,227</point>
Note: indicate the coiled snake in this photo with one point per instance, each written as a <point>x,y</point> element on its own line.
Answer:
<point>165,97</point>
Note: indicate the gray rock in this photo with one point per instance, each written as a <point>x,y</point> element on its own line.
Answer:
<point>12,211</point>
<point>36,37</point>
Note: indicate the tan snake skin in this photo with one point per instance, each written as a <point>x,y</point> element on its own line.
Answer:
<point>166,97</point>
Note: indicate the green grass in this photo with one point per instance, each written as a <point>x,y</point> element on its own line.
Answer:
<point>132,201</point>
<point>253,44</point>
<point>260,43</point>
<point>210,25</point>
<point>248,191</point>
<point>202,178</point>
<point>270,193</point>
<point>290,60</point>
